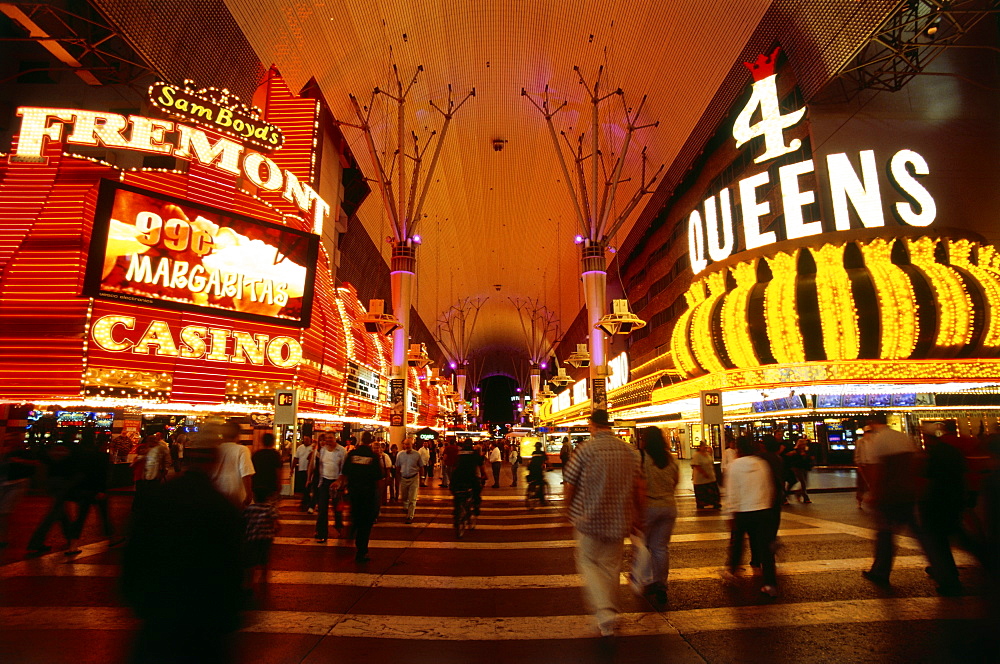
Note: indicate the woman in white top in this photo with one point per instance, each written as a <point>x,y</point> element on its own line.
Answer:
<point>660,473</point>
<point>749,498</point>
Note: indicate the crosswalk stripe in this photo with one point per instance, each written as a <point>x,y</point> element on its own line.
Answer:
<point>544,544</point>
<point>445,628</point>
<point>486,582</point>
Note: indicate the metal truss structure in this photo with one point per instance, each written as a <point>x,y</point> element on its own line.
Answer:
<point>85,45</point>
<point>909,40</point>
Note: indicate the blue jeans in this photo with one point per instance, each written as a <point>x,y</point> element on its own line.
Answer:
<point>659,527</point>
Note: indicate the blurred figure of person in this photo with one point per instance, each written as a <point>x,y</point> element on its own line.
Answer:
<point>177,444</point>
<point>750,504</point>
<point>385,479</point>
<point>17,466</point>
<point>940,507</point>
<point>892,495</point>
<point>180,568</point>
<point>536,471</point>
<point>262,525</point>
<point>90,490</point>
<point>802,462</point>
<point>728,455</point>
<point>466,476</point>
<point>768,451</point>
<point>515,460</point>
<point>234,467</point>
<point>393,474</point>
<point>431,460</point>
<point>604,504</point>
<point>153,461</point>
<point>660,474</point>
<point>706,487</point>
<point>425,459</point>
<point>862,461</point>
<point>300,465</point>
<point>449,456</point>
<point>362,476</point>
<point>267,467</point>
<point>329,465</point>
<point>564,453</point>
<point>60,461</point>
<point>408,465</point>
<point>496,461</point>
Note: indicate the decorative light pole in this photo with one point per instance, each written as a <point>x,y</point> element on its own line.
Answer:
<point>455,328</point>
<point>404,209</point>
<point>541,333</point>
<point>594,205</point>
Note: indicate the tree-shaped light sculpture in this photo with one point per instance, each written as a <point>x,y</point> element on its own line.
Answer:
<point>541,333</point>
<point>455,328</point>
<point>594,199</point>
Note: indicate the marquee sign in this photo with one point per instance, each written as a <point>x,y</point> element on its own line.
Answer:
<point>712,233</point>
<point>154,249</point>
<point>218,110</point>
<point>119,334</point>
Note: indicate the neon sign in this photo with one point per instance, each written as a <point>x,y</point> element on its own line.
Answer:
<point>711,229</point>
<point>111,130</point>
<point>218,110</point>
<point>195,342</point>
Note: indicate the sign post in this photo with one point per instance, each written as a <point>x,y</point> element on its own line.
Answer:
<point>286,405</point>
<point>711,418</point>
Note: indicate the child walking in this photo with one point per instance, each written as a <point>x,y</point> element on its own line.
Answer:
<point>261,518</point>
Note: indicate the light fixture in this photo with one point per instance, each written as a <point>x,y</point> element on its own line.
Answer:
<point>561,378</point>
<point>417,356</point>
<point>376,321</point>
<point>621,321</point>
<point>579,358</point>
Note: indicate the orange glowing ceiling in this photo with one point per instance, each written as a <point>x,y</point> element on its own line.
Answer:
<point>500,224</point>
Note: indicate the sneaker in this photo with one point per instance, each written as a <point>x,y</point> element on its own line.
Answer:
<point>877,579</point>
<point>769,590</point>
<point>321,540</point>
<point>806,501</point>
<point>311,511</point>
<point>728,578</point>
<point>409,520</point>
<point>607,628</point>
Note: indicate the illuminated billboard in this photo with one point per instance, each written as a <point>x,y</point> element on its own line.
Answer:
<point>148,248</point>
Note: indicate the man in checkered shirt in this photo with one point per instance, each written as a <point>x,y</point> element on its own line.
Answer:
<point>602,499</point>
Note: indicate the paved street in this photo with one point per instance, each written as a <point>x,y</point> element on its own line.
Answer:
<point>509,592</point>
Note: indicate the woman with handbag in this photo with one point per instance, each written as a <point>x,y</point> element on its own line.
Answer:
<point>660,473</point>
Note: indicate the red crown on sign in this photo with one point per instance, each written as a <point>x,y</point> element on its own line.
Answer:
<point>763,66</point>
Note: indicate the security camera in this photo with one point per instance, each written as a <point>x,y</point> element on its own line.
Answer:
<point>498,144</point>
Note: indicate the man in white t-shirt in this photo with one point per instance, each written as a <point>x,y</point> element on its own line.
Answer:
<point>300,466</point>
<point>425,459</point>
<point>496,461</point>
<point>234,468</point>
<point>329,464</point>
<point>892,492</point>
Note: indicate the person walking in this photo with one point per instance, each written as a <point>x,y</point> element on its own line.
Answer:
<point>90,490</point>
<point>261,519</point>
<point>408,465</point>
<point>300,468</point>
<point>660,474</point>
<point>706,487</point>
<point>862,460</point>
<point>234,469</point>
<point>449,456</point>
<point>425,458</point>
<point>267,468</point>
<point>603,502</point>
<point>362,476</point>
<point>892,495</point>
<point>329,464</point>
<point>515,460</point>
<point>564,453</point>
<point>940,508</point>
<point>749,503</point>
<point>496,460</point>
<point>393,474</point>
<point>60,461</point>
<point>181,569</point>
<point>802,462</point>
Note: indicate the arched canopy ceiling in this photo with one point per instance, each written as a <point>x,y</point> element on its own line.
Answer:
<point>500,224</point>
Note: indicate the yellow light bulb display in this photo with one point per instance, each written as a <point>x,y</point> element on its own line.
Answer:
<point>841,336</point>
<point>954,305</point>
<point>701,333</point>
<point>780,308</point>
<point>679,341</point>
<point>735,311</point>
<point>897,308</point>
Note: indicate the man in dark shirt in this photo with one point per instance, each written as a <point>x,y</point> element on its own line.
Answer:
<point>267,467</point>
<point>362,475</point>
